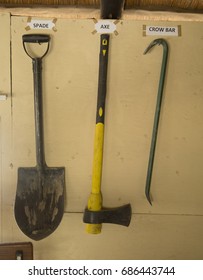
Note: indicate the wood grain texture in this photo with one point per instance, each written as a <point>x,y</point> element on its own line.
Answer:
<point>13,251</point>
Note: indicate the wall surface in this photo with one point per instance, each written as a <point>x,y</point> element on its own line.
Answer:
<point>170,229</point>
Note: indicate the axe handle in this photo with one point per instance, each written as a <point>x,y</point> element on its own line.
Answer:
<point>95,199</point>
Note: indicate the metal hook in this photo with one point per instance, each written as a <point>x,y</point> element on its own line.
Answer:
<point>164,43</point>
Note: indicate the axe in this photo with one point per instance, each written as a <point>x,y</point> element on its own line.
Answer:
<point>95,214</point>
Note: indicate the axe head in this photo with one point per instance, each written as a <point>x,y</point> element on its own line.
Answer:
<point>117,215</point>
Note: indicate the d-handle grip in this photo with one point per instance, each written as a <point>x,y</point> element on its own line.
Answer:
<point>36,38</point>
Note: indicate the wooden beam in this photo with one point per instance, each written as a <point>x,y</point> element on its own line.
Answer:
<point>175,5</point>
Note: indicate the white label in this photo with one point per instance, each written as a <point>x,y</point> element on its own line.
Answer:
<point>3,97</point>
<point>105,26</point>
<point>162,30</point>
<point>41,24</point>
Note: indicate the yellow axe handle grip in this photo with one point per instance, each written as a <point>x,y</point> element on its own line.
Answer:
<point>95,199</point>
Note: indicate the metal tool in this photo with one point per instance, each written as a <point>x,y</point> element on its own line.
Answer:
<point>164,44</point>
<point>95,214</point>
<point>39,203</point>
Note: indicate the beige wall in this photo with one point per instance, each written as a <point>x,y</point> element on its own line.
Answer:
<point>173,227</point>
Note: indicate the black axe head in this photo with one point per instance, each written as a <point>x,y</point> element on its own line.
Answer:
<point>117,215</point>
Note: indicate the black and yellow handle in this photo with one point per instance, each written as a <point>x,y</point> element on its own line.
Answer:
<point>95,199</point>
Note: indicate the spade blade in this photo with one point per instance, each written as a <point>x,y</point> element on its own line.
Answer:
<point>39,204</point>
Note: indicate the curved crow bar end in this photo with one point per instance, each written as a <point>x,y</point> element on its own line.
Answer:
<point>159,41</point>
